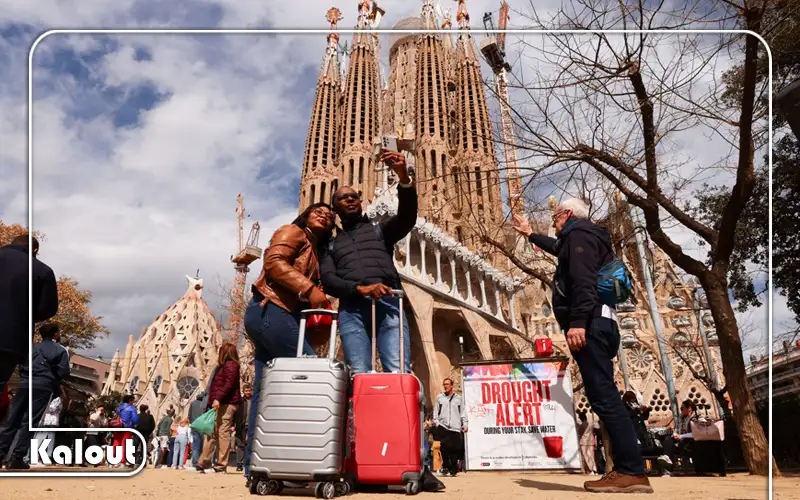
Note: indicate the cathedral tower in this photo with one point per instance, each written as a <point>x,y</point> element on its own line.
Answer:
<point>320,172</point>
<point>475,174</point>
<point>361,111</point>
<point>433,158</point>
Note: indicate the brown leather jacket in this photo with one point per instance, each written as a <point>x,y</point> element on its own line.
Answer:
<point>290,265</point>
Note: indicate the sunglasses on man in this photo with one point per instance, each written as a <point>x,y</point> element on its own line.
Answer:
<point>347,196</point>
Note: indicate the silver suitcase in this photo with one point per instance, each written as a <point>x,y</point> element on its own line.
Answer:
<point>300,429</point>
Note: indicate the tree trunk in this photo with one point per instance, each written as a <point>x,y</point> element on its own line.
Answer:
<point>754,443</point>
<point>723,404</point>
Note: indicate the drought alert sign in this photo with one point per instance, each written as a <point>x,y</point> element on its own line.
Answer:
<point>521,416</point>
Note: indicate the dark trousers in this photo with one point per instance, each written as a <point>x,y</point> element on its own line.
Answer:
<point>239,443</point>
<point>8,362</point>
<point>452,448</point>
<point>597,372</point>
<point>16,425</point>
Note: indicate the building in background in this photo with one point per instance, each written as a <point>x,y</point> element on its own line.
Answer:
<point>88,374</point>
<point>173,358</point>
<point>435,102</point>
<point>785,373</point>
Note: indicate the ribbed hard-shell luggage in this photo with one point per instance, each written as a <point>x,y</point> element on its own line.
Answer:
<point>300,429</point>
<point>387,435</point>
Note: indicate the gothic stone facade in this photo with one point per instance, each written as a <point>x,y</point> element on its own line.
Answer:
<point>435,97</point>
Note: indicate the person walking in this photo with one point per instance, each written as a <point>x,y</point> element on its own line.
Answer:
<point>240,437</point>
<point>225,397</point>
<point>15,320</point>
<point>130,418</point>
<point>289,282</point>
<point>450,421</point>
<point>50,366</point>
<point>181,441</point>
<point>163,434</point>
<point>196,409</point>
<point>358,268</point>
<point>582,249</point>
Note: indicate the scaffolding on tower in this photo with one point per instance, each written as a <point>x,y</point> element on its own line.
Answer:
<point>248,252</point>
<point>493,48</point>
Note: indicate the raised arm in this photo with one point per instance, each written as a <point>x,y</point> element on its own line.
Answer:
<point>523,227</point>
<point>396,228</point>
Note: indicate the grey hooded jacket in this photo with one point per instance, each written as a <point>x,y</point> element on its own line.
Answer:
<point>449,412</point>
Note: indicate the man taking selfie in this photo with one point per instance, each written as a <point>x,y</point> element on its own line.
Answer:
<point>358,268</point>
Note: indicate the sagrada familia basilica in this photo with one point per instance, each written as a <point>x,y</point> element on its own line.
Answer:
<point>466,299</point>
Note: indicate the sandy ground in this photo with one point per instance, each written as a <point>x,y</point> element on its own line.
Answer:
<point>187,485</point>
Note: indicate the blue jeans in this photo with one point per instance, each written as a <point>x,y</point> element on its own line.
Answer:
<point>179,451</point>
<point>355,328</point>
<point>197,447</point>
<point>597,372</point>
<point>274,332</point>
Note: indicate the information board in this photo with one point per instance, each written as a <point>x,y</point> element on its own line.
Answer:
<point>521,416</point>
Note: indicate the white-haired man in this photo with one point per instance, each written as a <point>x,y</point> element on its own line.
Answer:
<point>583,249</point>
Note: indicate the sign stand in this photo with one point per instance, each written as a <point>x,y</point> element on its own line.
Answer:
<point>521,415</point>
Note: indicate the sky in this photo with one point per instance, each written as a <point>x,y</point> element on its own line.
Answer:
<point>142,142</point>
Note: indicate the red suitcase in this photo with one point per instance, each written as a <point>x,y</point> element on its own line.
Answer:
<point>386,428</point>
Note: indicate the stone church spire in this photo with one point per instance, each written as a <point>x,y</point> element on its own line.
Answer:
<point>432,154</point>
<point>320,172</point>
<point>476,171</point>
<point>361,111</point>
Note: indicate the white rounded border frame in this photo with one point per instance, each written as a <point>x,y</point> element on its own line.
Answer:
<point>52,32</point>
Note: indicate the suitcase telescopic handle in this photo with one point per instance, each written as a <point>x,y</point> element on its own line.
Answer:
<point>399,294</point>
<point>304,315</point>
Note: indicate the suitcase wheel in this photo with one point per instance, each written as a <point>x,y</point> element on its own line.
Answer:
<point>342,488</point>
<point>268,487</point>
<point>325,490</point>
<point>412,488</point>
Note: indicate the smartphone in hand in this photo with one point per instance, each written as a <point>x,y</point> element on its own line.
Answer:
<point>390,143</point>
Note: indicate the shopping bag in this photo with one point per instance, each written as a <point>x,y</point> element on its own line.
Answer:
<point>708,431</point>
<point>204,424</point>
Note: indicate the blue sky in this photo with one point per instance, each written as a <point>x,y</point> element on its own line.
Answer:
<point>142,142</point>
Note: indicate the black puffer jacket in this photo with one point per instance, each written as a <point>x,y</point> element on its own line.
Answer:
<point>362,255</point>
<point>582,249</point>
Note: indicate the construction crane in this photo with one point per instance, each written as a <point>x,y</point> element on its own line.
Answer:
<point>248,252</point>
<point>493,48</point>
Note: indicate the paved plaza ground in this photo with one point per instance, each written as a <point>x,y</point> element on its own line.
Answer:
<point>186,485</point>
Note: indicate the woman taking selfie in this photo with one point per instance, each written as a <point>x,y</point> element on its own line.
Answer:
<point>289,283</point>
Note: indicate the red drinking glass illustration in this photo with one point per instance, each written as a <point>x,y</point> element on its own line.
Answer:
<point>554,446</point>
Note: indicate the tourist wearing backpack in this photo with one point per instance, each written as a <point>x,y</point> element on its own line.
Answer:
<point>589,281</point>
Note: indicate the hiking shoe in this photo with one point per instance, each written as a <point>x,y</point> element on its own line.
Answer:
<point>17,464</point>
<point>615,482</point>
